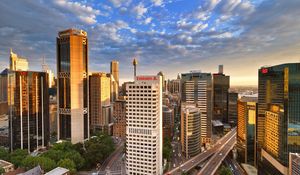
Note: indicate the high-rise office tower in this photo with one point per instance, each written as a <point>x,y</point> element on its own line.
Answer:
<point>114,71</point>
<point>246,130</point>
<point>174,86</point>
<point>168,122</point>
<point>17,63</point>
<point>164,83</point>
<point>113,88</point>
<point>278,117</point>
<point>72,85</point>
<point>221,84</point>
<point>144,126</point>
<point>196,87</point>
<point>119,116</point>
<point>27,108</point>
<point>190,130</point>
<point>46,69</point>
<point>99,101</point>
<point>232,108</point>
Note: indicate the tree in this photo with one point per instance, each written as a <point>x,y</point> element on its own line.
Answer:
<point>4,154</point>
<point>76,158</point>
<point>69,164</point>
<point>46,164</point>
<point>17,156</point>
<point>64,146</point>
<point>2,171</point>
<point>53,154</point>
<point>225,171</point>
<point>167,149</point>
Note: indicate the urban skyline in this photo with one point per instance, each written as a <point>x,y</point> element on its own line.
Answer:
<point>116,30</point>
<point>173,87</point>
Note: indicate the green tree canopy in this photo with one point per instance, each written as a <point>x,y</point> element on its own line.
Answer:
<point>225,171</point>
<point>46,163</point>
<point>4,154</point>
<point>17,156</point>
<point>69,164</point>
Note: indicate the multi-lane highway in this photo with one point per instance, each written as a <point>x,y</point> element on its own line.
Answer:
<point>228,139</point>
<point>215,161</point>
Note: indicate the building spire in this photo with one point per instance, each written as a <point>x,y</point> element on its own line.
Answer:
<point>134,63</point>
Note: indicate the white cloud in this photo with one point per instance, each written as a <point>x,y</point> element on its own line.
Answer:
<point>140,10</point>
<point>213,4</point>
<point>202,15</point>
<point>119,3</point>
<point>157,2</point>
<point>199,27</point>
<point>148,20</point>
<point>85,13</point>
<point>223,35</point>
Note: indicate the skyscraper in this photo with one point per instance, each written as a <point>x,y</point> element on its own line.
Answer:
<point>144,126</point>
<point>190,130</point>
<point>17,63</point>
<point>246,130</point>
<point>72,88</point>
<point>278,117</point>
<point>119,115</point>
<point>27,108</point>
<point>168,122</point>
<point>221,84</point>
<point>114,71</point>
<point>99,101</point>
<point>196,87</point>
<point>232,108</point>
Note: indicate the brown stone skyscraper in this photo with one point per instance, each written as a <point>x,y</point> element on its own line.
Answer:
<point>114,71</point>
<point>72,91</point>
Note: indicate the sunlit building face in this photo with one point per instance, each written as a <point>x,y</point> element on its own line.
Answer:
<point>72,71</point>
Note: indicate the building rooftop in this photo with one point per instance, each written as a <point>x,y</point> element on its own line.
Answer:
<point>250,170</point>
<point>58,171</point>
<point>4,163</point>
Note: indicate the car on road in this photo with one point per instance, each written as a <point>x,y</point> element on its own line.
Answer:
<point>220,154</point>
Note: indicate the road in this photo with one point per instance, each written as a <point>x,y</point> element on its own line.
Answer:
<point>236,169</point>
<point>194,161</point>
<point>113,157</point>
<point>215,161</point>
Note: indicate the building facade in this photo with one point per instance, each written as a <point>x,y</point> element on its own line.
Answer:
<point>197,89</point>
<point>72,87</point>
<point>17,63</point>
<point>232,108</point>
<point>278,117</point>
<point>168,122</point>
<point>294,162</point>
<point>190,130</point>
<point>221,84</point>
<point>100,102</point>
<point>246,131</point>
<point>27,109</point>
<point>144,126</point>
<point>114,71</point>
<point>119,117</point>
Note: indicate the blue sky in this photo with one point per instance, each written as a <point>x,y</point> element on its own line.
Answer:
<point>172,36</point>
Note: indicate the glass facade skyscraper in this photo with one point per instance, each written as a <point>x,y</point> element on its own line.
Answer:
<point>279,113</point>
<point>72,88</point>
<point>220,96</point>
<point>27,108</point>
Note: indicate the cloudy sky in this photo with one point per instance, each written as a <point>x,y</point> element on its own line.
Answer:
<point>172,36</point>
